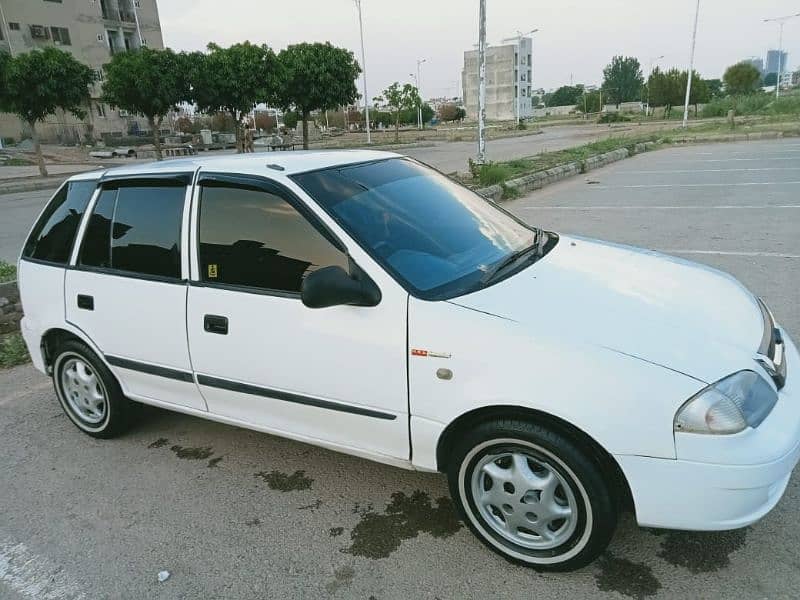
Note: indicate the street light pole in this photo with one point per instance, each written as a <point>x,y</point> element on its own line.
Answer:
<point>481,82</point>
<point>781,22</point>
<point>419,91</point>
<point>649,77</point>
<point>691,69</point>
<point>364,70</point>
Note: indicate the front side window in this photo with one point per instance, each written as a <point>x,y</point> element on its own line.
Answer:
<point>52,238</point>
<point>437,237</point>
<point>136,229</point>
<point>253,238</point>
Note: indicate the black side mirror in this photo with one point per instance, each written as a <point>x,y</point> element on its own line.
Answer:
<point>332,286</point>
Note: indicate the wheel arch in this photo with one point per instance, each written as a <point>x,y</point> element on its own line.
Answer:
<point>470,419</point>
<point>55,336</point>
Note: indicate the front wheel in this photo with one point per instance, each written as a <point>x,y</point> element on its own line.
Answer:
<point>532,495</point>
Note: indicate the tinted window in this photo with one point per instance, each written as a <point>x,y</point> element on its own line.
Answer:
<point>54,233</point>
<point>437,237</point>
<point>136,229</point>
<point>257,239</point>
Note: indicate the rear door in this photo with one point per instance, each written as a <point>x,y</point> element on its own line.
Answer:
<point>335,375</point>
<point>127,289</point>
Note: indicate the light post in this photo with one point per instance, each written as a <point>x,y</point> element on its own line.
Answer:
<point>419,90</point>
<point>781,22</point>
<point>481,82</point>
<point>519,37</point>
<point>364,70</point>
<point>691,69</point>
<point>649,76</point>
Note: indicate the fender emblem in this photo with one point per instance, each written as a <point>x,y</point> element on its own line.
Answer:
<point>429,353</point>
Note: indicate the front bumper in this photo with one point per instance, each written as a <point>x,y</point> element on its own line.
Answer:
<point>730,481</point>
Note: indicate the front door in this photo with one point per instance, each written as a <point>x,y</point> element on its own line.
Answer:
<point>335,376</point>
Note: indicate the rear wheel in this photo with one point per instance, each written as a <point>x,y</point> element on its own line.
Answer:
<point>532,495</point>
<point>89,393</point>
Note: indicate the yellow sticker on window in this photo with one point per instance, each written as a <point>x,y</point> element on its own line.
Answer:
<point>212,271</point>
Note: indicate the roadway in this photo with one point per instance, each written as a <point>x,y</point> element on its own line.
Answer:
<point>237,514</point>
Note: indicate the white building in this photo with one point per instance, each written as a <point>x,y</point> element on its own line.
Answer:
<point>509,73</point>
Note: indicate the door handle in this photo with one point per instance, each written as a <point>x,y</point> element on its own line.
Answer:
<point>215,324</point>
<point>85,302</point>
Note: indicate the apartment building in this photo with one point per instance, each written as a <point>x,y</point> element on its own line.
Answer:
<point>92,31</point>
<point>509,75</point>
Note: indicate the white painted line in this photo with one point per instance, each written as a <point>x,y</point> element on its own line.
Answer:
<point>35,576</point>
<point>745,159</point>
<point>740,170</point>
<point>662,207</point>
<point>725,253</point>
<point>689,185</point>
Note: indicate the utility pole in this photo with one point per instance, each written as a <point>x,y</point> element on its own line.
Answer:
<point>364,70</point>
<point>419,91</point>
<point>482,82</point>
<point>781,22</point>
<point>691,69</point>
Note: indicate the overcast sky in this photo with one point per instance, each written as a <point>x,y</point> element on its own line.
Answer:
<point>576,38</point>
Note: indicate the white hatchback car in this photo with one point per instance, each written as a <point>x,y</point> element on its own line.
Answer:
<point>365,303</point>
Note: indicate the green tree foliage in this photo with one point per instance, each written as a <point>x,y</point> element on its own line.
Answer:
<point>399,99</point>
<point>234,79</point>
<point>316,77</point>
<point>771,79</point>
<point>714,88</point>
<point>147,82</point>
<point>668,89</point>
<point>622,79</point>
<point>741,79</point>
<point>37,83</point>
<point>567,95</point>
<point>290,119</point>
<point>589,102</point>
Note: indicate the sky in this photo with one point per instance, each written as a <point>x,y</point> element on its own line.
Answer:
<point>576,39</point>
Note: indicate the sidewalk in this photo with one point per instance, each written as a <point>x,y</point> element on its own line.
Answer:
<point>27,178</point>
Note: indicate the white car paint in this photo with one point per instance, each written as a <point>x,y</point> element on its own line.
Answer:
<point>610,339</point>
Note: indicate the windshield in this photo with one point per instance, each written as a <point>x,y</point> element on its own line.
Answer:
<point>437,237</point>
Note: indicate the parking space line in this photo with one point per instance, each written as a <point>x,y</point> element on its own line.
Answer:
<point>664,207</point>
<point>689,185</point>
<point>731,253</point>
<point>750,169</point>
<point>35,576</point>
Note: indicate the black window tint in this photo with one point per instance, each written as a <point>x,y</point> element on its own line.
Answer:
<point>257,239</point>
<point>54,233</point>
<point>96,250</point>
<point>146,234</point>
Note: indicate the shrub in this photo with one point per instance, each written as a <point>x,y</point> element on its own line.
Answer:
<point>613,118</point>
<point>492,173</point>
<point>7,272</point>
<point>12,351</point>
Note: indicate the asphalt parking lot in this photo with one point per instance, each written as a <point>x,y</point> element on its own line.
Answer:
<point>238,514</point>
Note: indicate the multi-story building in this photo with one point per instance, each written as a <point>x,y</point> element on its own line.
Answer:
<point>773,58</point>
<point>92,31</point>
<point>758,63</point>
<point>509,73</point>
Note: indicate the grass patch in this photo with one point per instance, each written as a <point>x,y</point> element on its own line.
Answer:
<point>13,351</point>
<point>492,173</point>
<point>7,272</point>
<point>15,162</point>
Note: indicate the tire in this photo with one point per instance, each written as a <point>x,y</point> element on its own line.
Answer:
<point>88,393</point>
<point>533,470</point>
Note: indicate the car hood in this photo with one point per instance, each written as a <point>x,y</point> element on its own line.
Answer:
<point>683,316</point>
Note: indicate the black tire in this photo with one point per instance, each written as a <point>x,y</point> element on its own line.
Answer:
<point>590,499</point>
<point>118,413</point>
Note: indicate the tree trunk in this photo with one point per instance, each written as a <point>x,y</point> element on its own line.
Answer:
<point>37,148</point>
<point>154,129</point>
<point>237,132</point>
<point>397,126</point>
<point>305,130</point>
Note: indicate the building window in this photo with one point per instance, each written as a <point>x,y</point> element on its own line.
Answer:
<point>13,26</point>
<point>56,1</point>
<point>101,110</point>
<point>39,32</point>
<point>60,36</point>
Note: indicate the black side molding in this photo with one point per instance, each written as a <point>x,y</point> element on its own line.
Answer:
<point>254,390</point>
<point>133,365</point>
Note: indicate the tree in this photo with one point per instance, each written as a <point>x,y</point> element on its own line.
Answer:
<point>567,95</point>
<point>448,113</point>
<point>399,99</point>
<point>234,80</point>
<point>184,124</point>
<point>290,119</point>
<point>37,83</point>
<point>741,79</point>
<point>589,102</point>
<point>622,79</point>
<point>316,77</point>
<point>147,82</point>
<point>714,88</point>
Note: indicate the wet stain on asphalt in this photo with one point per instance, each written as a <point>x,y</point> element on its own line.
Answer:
<point>701,552</point>
<point>312,507</point>
<point>635,580</point>
<point>342,578</point>
<point>253,522</point>
<point>378,535</point>
<point>335,531</point>
<point>160,442</point>
<point>192,453</point>
<point>284,482</point>
<point>212,464</point>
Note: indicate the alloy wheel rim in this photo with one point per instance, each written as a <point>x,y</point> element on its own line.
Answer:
<point>83,391</point>
<point>524,499</point>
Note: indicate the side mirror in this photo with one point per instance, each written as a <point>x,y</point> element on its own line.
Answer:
<point>332,286</point>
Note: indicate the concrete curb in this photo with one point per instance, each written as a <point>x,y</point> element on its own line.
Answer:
<point>48,183</point>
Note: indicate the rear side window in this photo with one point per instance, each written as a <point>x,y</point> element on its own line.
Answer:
<point>54,234</point>
<point>136,229</point>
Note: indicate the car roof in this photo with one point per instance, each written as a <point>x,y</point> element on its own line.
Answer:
<point>248,164</point>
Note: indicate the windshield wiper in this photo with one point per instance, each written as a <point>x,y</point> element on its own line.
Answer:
<point>512,258</point>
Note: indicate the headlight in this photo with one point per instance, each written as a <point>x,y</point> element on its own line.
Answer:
<point>729,406</point>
